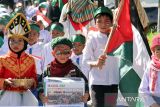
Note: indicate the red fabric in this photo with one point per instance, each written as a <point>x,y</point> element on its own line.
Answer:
<point>64,1</point>
<point>123,33</point>
<point>155,41</point>
<point>61,70</point>
<point>154,72</point>
<point>11,67</point>
<point>78,26</point>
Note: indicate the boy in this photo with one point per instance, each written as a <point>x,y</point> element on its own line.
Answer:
<point>35,48</point>
<point>104,82</point>
<point>78,42</point>
<point>56,30</point>
<point>62,65</point>
<point>149,88</point>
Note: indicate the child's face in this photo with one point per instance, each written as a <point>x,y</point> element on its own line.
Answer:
<point>103,23</point>
<point>157,51</point>
<point>33,37</point>
<point>56,33</point>
<point>78,48</point>
<point>16,44</point>
<point>62,53</point>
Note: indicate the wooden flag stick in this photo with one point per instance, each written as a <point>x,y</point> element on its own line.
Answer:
<point>115,22</point>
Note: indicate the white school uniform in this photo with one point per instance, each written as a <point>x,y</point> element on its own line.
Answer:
<point>109,74</point>
<point>47,54</point>
<point>145,87</point>
<point>36,51</point>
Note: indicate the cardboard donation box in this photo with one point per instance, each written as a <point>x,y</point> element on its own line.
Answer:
<point>64,92</point>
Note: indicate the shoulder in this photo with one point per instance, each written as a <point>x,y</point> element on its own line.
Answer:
<point>30,58</point>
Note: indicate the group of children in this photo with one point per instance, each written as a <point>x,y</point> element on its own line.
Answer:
<point>67,57</point>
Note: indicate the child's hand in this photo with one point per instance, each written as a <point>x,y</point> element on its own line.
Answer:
<point>101,61</point>
<point>8,82</point>
<point>155,105</point>
<point>43,98</point>
<point>85,97</point>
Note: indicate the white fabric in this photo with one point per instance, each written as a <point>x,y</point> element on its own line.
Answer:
<point>44,36</point>
<point>30,12</point>
<point>140,54</point>
<point>74,58</point>
<point>5,47</point>
<point>68,28</point>
<point>145,88</point>
<point>47,54</point>
<point>10,98</point>
<point>109,74</point>
<point>37,55</point>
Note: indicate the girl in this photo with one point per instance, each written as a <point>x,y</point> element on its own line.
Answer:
<point>149,88</point>
<point>17,69</point>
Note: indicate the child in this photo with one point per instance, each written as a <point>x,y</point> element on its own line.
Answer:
<point>35,47</point>
<point>17,69</point>
<point>62,65</point>
<point>78,42</point>
<point>149,88</point>
<point>77,15</point>
<point>56,30</point>
<point>104,82</point>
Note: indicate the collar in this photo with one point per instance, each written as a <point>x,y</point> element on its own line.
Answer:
<point>10,53</point>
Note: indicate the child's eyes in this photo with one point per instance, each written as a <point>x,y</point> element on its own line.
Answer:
<point>65,52</point>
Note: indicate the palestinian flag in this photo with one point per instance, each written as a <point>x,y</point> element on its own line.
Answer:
<point>128,45</point>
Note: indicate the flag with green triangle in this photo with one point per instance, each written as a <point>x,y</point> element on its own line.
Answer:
<point>128,45</point>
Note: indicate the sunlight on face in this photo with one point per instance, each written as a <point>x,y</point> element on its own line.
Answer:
<point>62,53</point>
<point>16,44</point>
<point>78,48</point>
<point>103,23</point>
<point>33,37</point>
<point>56,33</point>
<point>157,51</point>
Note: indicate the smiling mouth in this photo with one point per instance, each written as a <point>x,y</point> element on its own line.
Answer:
<point>16,48</point>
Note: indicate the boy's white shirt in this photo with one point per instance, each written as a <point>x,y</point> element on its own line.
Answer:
<point>145,87</point>
<point>74,58</point>
<point>44,36</point>
<point>37,50</point>
<point>5,47</point>
<point>109,74</point>
<point>47,54</point>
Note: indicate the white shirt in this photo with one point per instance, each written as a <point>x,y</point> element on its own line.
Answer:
<point>5,47</point>
<point>47,54</point>
<point>77,59</point>
<point>109,74</point>
<point>36,51</point>
<point>44,36</point>
<point>145,87</point>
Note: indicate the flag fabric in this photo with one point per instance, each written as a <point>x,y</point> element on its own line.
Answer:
<point>45,20</point>
<point>128,45</point>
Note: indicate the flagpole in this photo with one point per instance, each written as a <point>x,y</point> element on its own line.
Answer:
<point>114,26</point>
<point>115,22</point>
